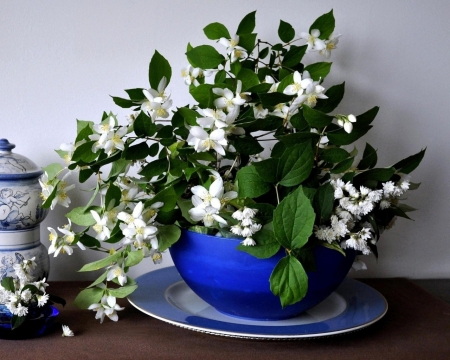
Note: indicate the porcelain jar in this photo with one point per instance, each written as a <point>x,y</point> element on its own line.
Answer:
<point>20,213</point>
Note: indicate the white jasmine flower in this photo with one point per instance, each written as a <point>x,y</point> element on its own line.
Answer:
<point>66,331</point>
<point>236,52</point>
<point>211,197</point>
<point>248,242</point>
<point>61,196</point>
<point>203,141</point>
<point>101,226</point>
<point>208,215</point>
<point>310,95</point>
<point>259,112</point>
<point>26,295</point>
<point>227,99</point>
<point>236,229</point>
<point>117,271</point>
<point>190,74</point>
<point>42,299</point>
<point>330,45</point>
<point>359,265</point>
<point>21,310</point>
<point>299,84</point>
<point>108,307</point>
<point>313,41</point>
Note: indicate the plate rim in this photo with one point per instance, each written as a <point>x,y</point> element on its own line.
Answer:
<point>171,270</point>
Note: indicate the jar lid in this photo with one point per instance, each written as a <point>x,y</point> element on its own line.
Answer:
<point>15,166</point>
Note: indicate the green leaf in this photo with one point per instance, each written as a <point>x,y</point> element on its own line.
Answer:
<point>84,153</point>
<point>89,241</point>
<point>295,164</point>
<point>117,167</point>
<point>289,281</point>
<point>168,196</point>
<point>293,220</point>
<point>16,321</point>
<point>82,216</point>
<point>136,94</point>
<point>133,258</point>
<point>316,118</point>
<point>248,78</point>
<point>335,95</point>
<point>294,55</point>
<point>285,31</point>
<point>215,31</point>
<point>8,284</point>
<point>113,195</point>
<point>378,174</point>
<point>99,264</point>
<point>334,155</point>
<point>159,67</point>
<point>84,129</point>
<point>136,152</point>
<point>272,99</point>
<point>205,57</point>
<point>369,158</point>
<point>143,125</point>
<point>123,291</point>
<point>367,117</point>
<point>203,95</point>
<point>53,170</point>
<point>247,145</point>
<point>99,280</point>
<point>167,236</point>
<point>342,166</point>
<point>87,297</point>
<point>340,137</point>
<point>250,183</point>
<point>123,103</point>
<point>299,137</point>
<point>325,24</point>
<point>247,41</point>
<point>265,169</point>
<point>155,168</point>
<point>407,165</point>
<point>266,245</point>
<point>247,24</point>
<point>323,202</point>
<point>318,71</point>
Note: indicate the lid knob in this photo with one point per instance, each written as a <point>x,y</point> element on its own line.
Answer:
<point>5,145</point>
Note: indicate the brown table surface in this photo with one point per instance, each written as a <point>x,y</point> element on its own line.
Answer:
<point>416,326</point>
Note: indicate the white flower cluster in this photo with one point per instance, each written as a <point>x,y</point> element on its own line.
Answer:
<point>107,306</point>
<point>107,137</point>
<point>48,187</point>
<point>217,123</point>
<point>191,75</point>
<point>19,300</point>
<point>139,228</point>
<point>246,226</point>
<point>208,202</point>
<point>63,243</point>
<point>353,205</point>
<point>157,101</point>
<point>324,47</point>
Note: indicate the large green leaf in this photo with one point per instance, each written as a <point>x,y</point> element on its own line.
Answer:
<point>334,155</point>
<point>205,57</point>
<point>285,31</point>
<point>369,158</point>
<point>335,94</point>
<point>159,67</point>
<point>143,125</point>
<point>323,201</point>
<point>247,145</point>
<point>289,281</point>
<point>295,164</point>
<point>266,245</point>
<point>250,183</point>
<point>82,216</point>
<point>407,165</point>
<point>88,297</point>
<point>99,264</point>
<point>316,118</point>
<point>167,236</point>
<point>247,24</point>
<point>215,31</point>
<point>325,24</point>
<point>294,55</point>
<point>293,220</point>
<point>203,95</point>
<point>318,70</point>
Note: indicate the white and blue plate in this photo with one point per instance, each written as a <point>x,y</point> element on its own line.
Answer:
<point>163,295</point>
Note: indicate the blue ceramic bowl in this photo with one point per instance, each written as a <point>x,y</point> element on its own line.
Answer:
<point>32,326</point>
<point>237,284</point>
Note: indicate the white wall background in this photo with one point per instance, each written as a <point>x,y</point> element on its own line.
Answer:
<point>60,61</point>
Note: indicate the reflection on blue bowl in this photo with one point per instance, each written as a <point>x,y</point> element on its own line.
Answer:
<point>32,326</point>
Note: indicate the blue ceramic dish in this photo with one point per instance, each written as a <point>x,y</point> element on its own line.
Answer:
<point>237,284</point>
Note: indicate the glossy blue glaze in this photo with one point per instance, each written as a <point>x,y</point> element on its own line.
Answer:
<point>237,284</point>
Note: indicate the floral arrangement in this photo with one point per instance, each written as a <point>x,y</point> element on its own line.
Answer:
<point>23,297</point>
<point>260,155</point>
